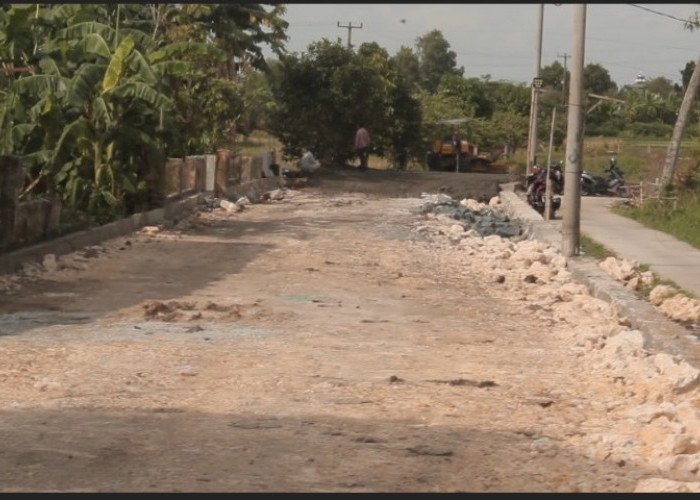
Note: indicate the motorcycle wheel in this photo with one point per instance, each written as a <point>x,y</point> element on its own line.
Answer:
<point>623,191</point>
<point>586,189</point>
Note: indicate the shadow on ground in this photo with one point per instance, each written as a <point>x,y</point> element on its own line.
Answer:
<point>170,450</point>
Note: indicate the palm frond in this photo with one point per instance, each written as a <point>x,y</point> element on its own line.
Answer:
<point>138,90</point>
<point>191,49</point>
<point>81,30</point>
<point>94,44</point>
<point>116,64</point>
<point>138,63</point>
<point>84,84</point>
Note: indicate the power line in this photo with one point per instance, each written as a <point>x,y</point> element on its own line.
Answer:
<point>684,21</point>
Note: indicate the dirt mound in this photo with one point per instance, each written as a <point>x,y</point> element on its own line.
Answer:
<point>174,311</point>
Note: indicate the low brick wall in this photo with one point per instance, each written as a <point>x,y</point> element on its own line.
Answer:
<point>12,261</point>
<point>36,220</point>
<point>185,184</point>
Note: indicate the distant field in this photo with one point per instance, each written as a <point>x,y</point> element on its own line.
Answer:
<point>640,159</point>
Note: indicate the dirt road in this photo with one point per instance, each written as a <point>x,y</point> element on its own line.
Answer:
<point>331,341</point>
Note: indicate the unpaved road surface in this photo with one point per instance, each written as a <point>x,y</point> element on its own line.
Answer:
<point>331,341</point>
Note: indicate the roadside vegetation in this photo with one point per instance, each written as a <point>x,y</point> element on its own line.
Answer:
<point>95,97</point>
<point>593,249</point>
<point>679,218</point>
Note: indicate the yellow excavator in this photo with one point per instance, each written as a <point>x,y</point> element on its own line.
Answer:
<point>444,153</point>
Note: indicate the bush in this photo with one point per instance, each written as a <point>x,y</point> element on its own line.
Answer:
<point>639,129</point>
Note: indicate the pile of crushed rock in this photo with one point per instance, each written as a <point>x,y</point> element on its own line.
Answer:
<point>668,300</point>
<point>487,219</point>
<point>473,215</point>
<point>652,416</point>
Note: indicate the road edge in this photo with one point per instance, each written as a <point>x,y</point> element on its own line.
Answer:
<point>661,334</point>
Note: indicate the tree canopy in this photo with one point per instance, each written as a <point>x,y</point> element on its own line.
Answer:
<point>113,88</point>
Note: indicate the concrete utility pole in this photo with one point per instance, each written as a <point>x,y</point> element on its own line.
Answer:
<point>548,186</point>
<point>350,27</point>
<point>534,99</point>
<point>571,220</point>
<point>565,56</point>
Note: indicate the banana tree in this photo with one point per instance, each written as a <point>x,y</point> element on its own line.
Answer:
<point>85,125</point>
<point>109,92</point>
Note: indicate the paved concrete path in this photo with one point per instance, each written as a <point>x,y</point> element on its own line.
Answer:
<point>666,256</point>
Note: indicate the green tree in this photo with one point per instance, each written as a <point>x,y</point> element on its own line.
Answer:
<point>554,75</point>
<point>215,100</point>
<point>321,96</point>
<point>405,63</point>
<point>509,97</point>
<point>596,80</point>
<point>509,130</point>
<point>116,86</point>
<point>436,59</point>
<point>661,86</point>
<point>472,93</point>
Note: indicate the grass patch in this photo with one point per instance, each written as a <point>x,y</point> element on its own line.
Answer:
<point>680,221</point>
<point>592,248</point>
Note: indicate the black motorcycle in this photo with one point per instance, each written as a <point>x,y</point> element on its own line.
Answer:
<point>615,183</point>
<point>536,183</point>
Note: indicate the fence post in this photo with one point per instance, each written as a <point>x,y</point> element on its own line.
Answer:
<point>221,174</point>
<point>210,172</point>
<point>11,183</point>
<point>194,173</point>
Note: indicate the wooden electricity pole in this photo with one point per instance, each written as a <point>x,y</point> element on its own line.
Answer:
<point>350,27</point>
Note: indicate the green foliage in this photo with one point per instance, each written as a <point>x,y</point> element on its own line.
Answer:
<point>553,76</point>
<point>435,59</point>
<point>472,93</point>
<point>593,249</point>
<point>679,220</point>
<point>510,130</point>
<point>596,80</point>
<point>321,97</point>
<point>119,85</point>
<point>508,97</point>
<point>655,129</point>
<point>406,64</point>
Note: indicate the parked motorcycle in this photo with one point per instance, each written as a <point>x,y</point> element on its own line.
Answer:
<point>614,185</point>
<point>556,174</point>
<point>536,183</point>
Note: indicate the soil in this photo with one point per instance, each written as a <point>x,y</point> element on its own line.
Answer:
<point>329,341</point>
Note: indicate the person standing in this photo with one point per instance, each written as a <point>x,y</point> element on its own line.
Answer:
<point>457,143</point>
<point>362,143</point>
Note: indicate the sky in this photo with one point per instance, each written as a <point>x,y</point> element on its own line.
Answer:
<point>500,40</point>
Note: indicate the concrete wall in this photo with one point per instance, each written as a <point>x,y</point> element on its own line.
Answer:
<point>184,176</point>
<point>11,261</point>
<point>186,181</point>
<point>23,222</point>
<point>11,183</point>
<point>36,220</point>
